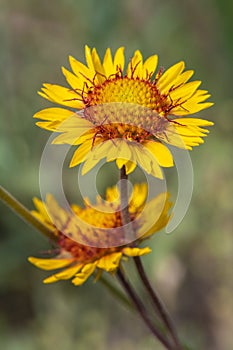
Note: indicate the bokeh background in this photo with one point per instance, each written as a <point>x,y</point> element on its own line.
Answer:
<point>192,267</point>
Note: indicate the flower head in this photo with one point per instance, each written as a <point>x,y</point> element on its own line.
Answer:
<point>128,116</point>
<point>101,234</point>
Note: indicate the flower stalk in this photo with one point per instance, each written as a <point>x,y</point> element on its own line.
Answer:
<point>25,214</point>
<point>116,293</point>
<point>124,205</point>
<point>141,310</point>
<point>160,307</point>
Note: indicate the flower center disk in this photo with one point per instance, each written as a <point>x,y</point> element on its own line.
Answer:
<point>124,89</point>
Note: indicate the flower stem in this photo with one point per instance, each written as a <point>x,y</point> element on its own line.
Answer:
<point>116,292</point>
<point>158,303</point>
<point>141,309</point>
<point>125,215</point>
<point>24,213</point>
<point>129,233</point>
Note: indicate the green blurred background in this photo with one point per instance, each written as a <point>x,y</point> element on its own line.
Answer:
<point>192,267</point>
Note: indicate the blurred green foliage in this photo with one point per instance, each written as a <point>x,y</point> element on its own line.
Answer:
<point>192,267</point>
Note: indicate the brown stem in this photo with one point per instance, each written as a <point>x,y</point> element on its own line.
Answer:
<point>129,237</point>
<point>124,200</point>
<point>158,303</point>
<point>141,310</point>
<point>160,308</point>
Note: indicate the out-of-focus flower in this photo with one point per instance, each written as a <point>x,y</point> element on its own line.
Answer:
<point>100,230</point>
<point>128,116</point>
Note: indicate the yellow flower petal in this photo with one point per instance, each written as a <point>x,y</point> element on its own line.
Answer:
<point>89,58</point>
<point>81,70</point>
<point>154,216</point>
<point>155,168</point>
<point>136,251</point>
<point>75,82</point>
<point>119,149</point>
<point>53,114</point>
<point>129,167</point>
<point>73,137</point>
<point>150,66</point>
<point>147,161</point>
<point>51,126</point>
<point>160,152</point>
<point>57,214</point>
<point>100,72</point>
<point>75,128</point>
<point>185,91</point>
<point>97,153</point>
<point>108,63</point>
<point>120,162</point>
<point>172,137</point>
<point>134,68</point>
<point>85,273</point>
<point>81,153</point>
<point>138,197</point>
<point>63,275</point>
<point>194,121</point>
<point>119,59</point>
<point>102,148</point>
<point>41,207</point>
<point>73,122</point>
<point>183,77</point>
<point>167,79</point>
<point>90,163</point>
<point>109,262</point>
<point>61,95</point>
<point>142,158</point>
<point>50,264</point>
<point>182,135</point>
<point>190,107</point>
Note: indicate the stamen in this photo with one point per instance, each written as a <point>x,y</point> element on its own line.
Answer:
<point>88,79</point>
<point>73,99</point>
<point>101,74</point>
<point>174,87</point>
<point>133,69</point>
<point>158,75</point>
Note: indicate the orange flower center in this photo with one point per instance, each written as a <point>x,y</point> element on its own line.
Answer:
<point>105,229</point>
<point>129,108</point>
<point>128,90</point>
<point>82,253</point>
